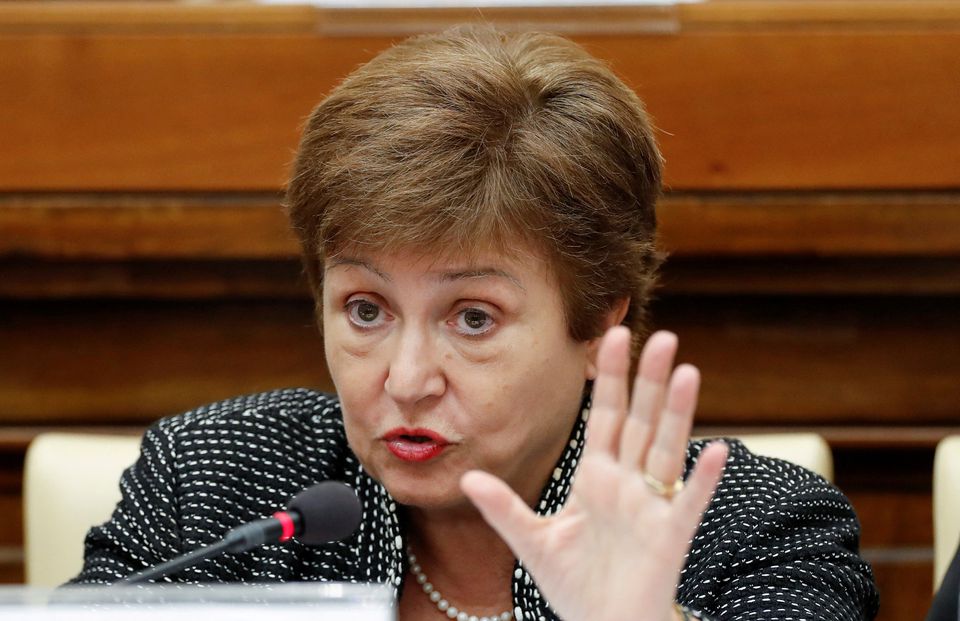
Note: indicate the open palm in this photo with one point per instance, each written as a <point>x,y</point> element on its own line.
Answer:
<point>615,551</point>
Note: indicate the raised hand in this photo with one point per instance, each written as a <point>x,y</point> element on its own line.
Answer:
<point>615,551</point>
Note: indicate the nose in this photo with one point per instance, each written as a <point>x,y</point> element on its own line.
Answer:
<point>415,372</point>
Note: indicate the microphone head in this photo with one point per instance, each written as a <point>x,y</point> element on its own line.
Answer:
<point>329,511</point>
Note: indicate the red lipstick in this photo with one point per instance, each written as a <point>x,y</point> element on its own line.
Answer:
<point>415,444</point>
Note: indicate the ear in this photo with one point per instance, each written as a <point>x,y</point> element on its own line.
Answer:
<point>613,317</point>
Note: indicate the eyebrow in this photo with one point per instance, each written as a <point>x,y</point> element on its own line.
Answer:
<point>482,272</point>
<point>357,262</point>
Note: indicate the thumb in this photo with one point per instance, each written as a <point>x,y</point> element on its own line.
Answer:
<point>505,512</point>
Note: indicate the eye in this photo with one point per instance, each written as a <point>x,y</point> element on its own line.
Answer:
<point>473,322</point>
<point>364,313</point>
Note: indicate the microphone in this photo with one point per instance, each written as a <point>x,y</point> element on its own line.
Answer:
<point>325,512</point>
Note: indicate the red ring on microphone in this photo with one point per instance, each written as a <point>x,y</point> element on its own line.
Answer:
<point>286,522</point>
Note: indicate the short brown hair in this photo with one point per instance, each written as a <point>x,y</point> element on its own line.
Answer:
<point>473,140</point>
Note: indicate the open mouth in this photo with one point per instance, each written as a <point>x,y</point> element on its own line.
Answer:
<point>416,439</point>
<point>415,445</point>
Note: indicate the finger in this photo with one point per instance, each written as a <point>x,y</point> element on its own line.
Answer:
<point>649,388</point>
<point>701,484</point>
<point>609,402</point>
<point>666,456</point>
<point>505,512</point>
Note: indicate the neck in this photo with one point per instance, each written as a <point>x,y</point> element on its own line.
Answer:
<point>463,558</point>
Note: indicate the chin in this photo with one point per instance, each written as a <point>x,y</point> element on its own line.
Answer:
<point>426,493</point>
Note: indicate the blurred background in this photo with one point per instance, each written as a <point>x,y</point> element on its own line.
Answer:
<point>812,217</point>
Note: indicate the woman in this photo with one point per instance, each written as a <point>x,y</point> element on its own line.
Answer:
<point>476,215</point>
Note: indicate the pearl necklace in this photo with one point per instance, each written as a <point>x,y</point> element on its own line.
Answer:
<point>442,604</point>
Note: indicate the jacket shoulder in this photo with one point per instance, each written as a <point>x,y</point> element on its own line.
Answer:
<point>293,405</point>
<point>782,533</point>
<point>251,453</point>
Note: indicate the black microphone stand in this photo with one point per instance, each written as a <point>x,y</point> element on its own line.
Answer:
<point>240,539</point>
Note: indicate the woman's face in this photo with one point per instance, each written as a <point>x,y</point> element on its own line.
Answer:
<point>447,366</point>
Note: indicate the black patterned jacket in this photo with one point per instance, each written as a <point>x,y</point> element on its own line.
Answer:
<point>777,542</point>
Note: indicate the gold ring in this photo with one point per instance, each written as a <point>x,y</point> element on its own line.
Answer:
<point>660,488</point>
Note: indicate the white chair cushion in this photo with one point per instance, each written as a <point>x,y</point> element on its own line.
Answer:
<point>809,450</point>
<point>70,484</point>
<point>946,506</point>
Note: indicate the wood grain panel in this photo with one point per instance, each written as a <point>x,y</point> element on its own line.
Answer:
<point>153,17</point>
<point>879,439</point>
<point>765,361</point>
<point>893,276</point>
<point>24,279</point>
<point>96,362</point>
<point>11,566</point>
<point>743,14</point>
<point>891,490</point>
<point>799,109</point>
<point>905,589</point>
<point>17,16</point>
<point>785,361</point>
<point>788,105</point>
<point>161,112</point>
<point>252,226</point>
<point>811,224</point>
<point>11,525</point>
<point>145,226</point>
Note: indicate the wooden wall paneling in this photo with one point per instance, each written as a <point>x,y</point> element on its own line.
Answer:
<point>785,360</point>
<point>11,474</point>
<point>152,17</point>
<point>894,276</point>
<point>155,112</point>
<point>811,224</point>
<point>905,589</point>
<point>252,226</point>
<point>798,109</point>
<point>774,362</point>
<point>784,106</point>
<point>11,515</point>
<point>32,279</point>
<point>106,16</point>
<point>145,226</point>
<point>835,14</point>
<point>861,437</point>
<point>127,362</point>
<point>51,279</point>
<point>891,491</point>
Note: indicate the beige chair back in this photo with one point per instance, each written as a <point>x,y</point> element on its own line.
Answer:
<point>946,506</point>
<point>70,484</point>
<point>809,450</point>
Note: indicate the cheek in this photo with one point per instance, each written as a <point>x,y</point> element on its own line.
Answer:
<point>529,392</point>
<point>361,419</point>
<point>341,342</point>
<point>357,430</point>
<point>549,365</point>
<point>355,374</point>
<point>345,350</point>
<point>551,386</point>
